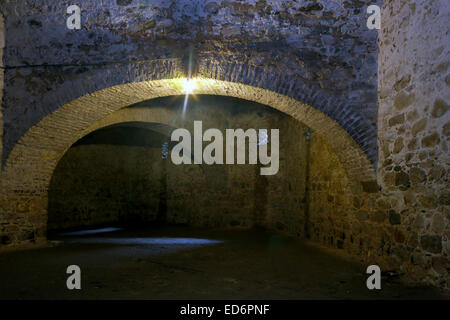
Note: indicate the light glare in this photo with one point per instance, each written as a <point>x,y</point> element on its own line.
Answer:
<point>189,85</point>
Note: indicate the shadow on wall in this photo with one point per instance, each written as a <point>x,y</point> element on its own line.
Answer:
<point>111,176</point>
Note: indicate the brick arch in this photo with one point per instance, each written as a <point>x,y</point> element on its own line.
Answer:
<point>141,115</point>
<point>357,120</point>
<point>148,115</point>
<point>75,82</point>
<point>29,167</point>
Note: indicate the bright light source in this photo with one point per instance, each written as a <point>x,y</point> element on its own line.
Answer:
<point>189,85</point>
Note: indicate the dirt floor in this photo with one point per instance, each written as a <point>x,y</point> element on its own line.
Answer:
<point>187,263</point>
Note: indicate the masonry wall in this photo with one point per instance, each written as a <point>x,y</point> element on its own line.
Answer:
<point>282,200</point>
<point>320,53</point>
<point>341,216</point>
<point>323,55</point>
<point>99,184</point>
<point>414,131</point>
<point>404,226</point>
<point>2,75</point>
<point>330,201</point>
<point>237,195</point>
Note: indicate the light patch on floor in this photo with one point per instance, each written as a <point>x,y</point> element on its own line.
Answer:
<point>147,241</point>
<point>85,232</point>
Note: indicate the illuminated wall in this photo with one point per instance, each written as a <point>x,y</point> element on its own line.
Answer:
<point>118,182</point>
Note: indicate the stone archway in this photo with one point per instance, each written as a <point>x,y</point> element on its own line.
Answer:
<point>30,164</point>
<point>148,115</point>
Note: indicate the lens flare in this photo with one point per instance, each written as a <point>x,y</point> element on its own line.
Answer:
<point>189,85</point>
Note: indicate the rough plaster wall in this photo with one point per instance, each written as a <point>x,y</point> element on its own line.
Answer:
<point>414,134</point>
<point>321,54</point>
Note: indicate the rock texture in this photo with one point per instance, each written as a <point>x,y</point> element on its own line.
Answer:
<point>120,176</point>
<point>322,54</point>
<point>413,116</point>
<point>316,61</point>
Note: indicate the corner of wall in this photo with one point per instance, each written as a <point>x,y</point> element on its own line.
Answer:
<point>413,136</point>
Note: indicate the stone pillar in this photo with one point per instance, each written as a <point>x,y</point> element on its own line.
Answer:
<point>413,135</point>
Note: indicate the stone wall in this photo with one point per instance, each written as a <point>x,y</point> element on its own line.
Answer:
<point>316,63</point>
<point>25,182</point>
<point>2,74</point>
<point>96,184</point>
<point>320,53</point>
<point>330,198</point>
<point>405,226</point>
<point>331,211</point>
<point>414,135</point>
<point>100,184</point>
<point>343,217</point>
<point>282,200</point>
